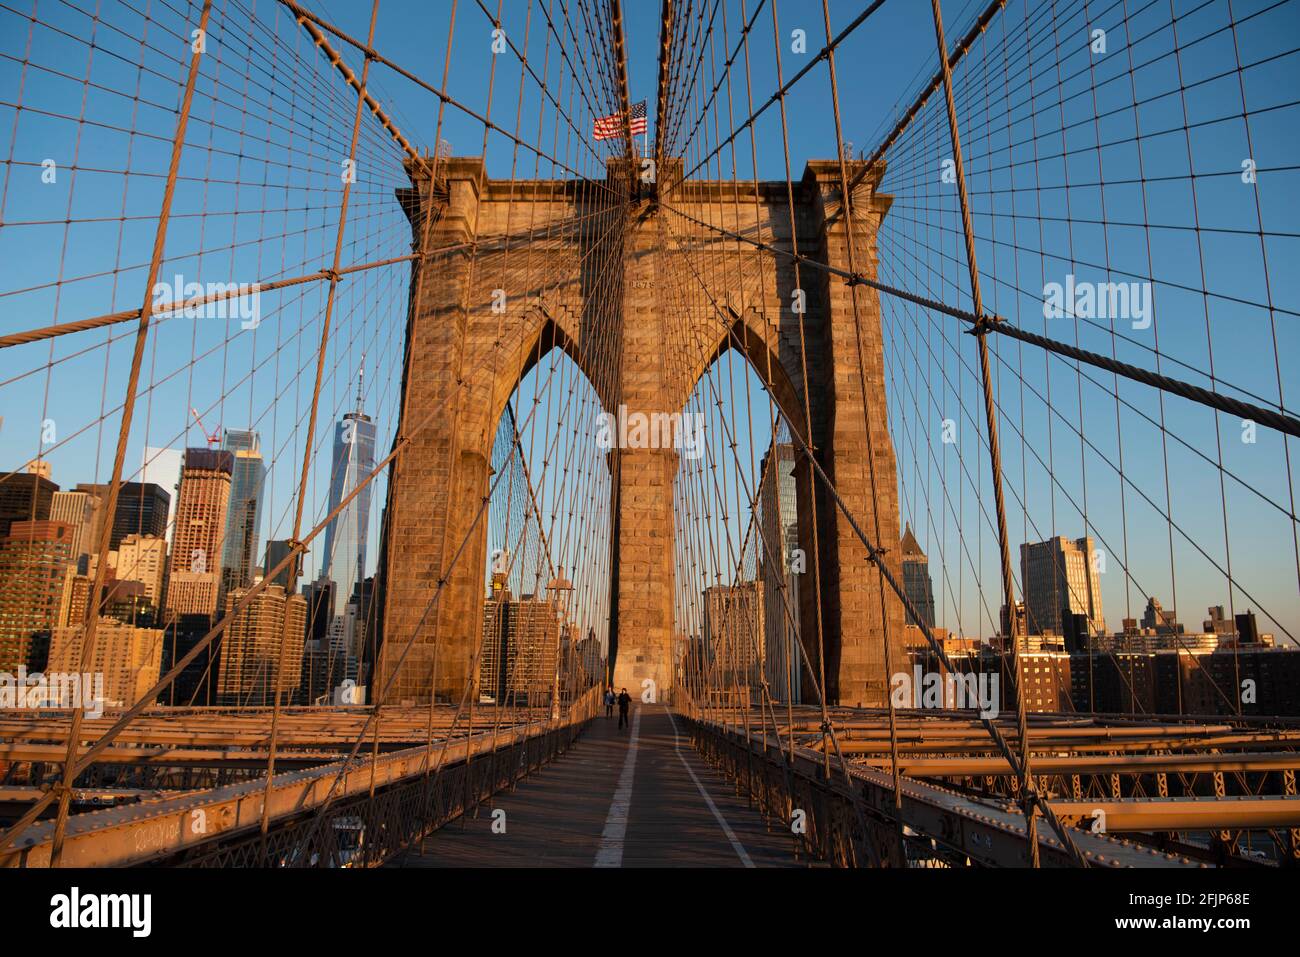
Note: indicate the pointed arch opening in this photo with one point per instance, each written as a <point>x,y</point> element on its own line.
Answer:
<point>547,569</point>
<point>737,515</point>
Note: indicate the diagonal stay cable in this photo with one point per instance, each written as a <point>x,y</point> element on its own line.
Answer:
<point>1281,421</point>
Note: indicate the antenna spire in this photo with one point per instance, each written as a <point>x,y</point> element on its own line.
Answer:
<point>361,378</point>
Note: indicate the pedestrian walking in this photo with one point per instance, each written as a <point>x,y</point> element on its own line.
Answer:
<point>624,700</point>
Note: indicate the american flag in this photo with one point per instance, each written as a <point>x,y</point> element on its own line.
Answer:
<point>608,127</point>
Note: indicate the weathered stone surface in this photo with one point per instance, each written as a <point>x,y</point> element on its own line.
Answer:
<point>643,300</point>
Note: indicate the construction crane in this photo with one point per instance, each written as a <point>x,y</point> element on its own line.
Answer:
<point>215,438</point>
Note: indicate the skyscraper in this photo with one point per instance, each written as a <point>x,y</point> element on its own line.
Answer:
<point>162,467</point>
<point>124,599</point>
<point>733,632</point>
<point>780,524</point>
<point>143,558</point>
<point>1059,578</point>
<point>141,510</point>
<point>521,641</point>
<point>917,584</point>
<point>244,514</point>
<point>276,551</point>
<point>34,573</point>
<point>77,511</point>
<point>194,573</point>
<point>363,626</point>
<point>345,536</point>
<point>24,497</point>
<point>324,672</point>
<point>128,657</point>
<point>251,664</point>
<point>197,682</point>
<point>320,607</point>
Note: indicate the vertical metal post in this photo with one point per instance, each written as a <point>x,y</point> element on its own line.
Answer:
<point>124,432</point>
<point>1029,797</point>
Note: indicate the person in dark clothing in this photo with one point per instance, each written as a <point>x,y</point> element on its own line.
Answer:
<point>609,702</point>
<point>624,700</point>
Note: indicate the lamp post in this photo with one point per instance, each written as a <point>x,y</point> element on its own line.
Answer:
<point>561,589</point>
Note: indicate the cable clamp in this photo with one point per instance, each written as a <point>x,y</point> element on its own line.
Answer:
<point>984,325</point>
<point>1031,799</point>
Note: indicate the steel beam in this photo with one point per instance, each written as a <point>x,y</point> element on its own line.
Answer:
<point>984,832</point>
<point>1183,814</point>
<point>1096,764</point>
<point>149,830</point>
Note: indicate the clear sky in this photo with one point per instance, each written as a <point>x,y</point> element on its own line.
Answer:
<point>260,189</point>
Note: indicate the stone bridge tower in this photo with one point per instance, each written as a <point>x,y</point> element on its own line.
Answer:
<point>621,277</point>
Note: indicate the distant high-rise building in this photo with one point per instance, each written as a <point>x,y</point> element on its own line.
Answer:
<point>521,642</point>
<point>345,537</point>
<point>141,510</point>
<point>124,599</point>
<point>917,584</point>
<point>276,551</point>
<point>363,602</point>
<point>733,632</point>
<point>1045,679</point>
<point>143,559</point>
<point>251,663</point>
<point>77,511</point>
<point>35,568</point>
<point>244,513</point>
<point>162,467</point>
<point>323,674</point>
<point>778,514</point>
<point>41,467</point>
<point>589,657</point>
<point>320,607</point>
<point>1159,621</point>
<point>25,497</point>
<point>1218,623</point>
<point>128,657</point>
<point>197,682</point>
<point>193,579</point>
<point>1058,577</point>
<point>1004,620</point>
<point>1247,630</point>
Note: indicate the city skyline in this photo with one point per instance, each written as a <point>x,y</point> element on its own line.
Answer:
<point>742,433</point>
<point>1148,554</point>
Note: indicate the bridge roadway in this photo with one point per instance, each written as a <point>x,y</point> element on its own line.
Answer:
<point>632,798</point>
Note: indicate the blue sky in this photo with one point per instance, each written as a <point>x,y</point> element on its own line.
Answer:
<point>260,190</point>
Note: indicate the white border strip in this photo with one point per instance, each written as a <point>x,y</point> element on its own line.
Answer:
<point>610,853</point>
<point>726,828</point>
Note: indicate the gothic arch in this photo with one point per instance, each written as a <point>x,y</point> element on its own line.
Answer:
<point>543,329</point>
<point>756,338</point>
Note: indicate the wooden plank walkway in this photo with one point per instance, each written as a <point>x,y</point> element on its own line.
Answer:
<point>640,797</point>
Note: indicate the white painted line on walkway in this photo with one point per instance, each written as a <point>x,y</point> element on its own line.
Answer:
<point>726,828</point>
<point>610,853</point>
